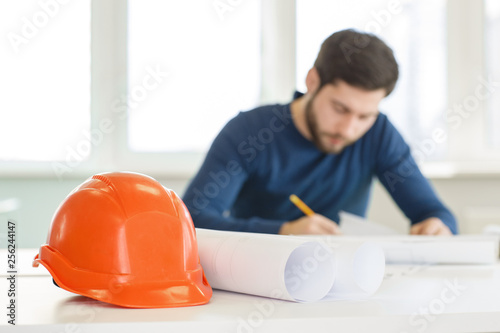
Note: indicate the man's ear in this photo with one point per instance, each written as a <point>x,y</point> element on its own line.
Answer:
<point>313,80</point>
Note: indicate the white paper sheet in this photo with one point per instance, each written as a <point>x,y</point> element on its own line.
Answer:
<point>351,224</point>
<point>289,267</point>
<point>414,249</point>
<point>463,249</point>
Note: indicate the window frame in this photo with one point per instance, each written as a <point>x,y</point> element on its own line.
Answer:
<point>109,81</point>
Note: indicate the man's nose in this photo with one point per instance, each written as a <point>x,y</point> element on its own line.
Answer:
<point>348,126</point>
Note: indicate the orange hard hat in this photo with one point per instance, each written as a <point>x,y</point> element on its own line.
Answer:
<point>124,239</point>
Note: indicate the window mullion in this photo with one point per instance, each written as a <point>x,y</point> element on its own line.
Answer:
<point>466,111</point>
<point>278,51</point>
<point>109,82</point>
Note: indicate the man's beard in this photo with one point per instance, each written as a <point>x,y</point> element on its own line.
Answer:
<point>312,126</point>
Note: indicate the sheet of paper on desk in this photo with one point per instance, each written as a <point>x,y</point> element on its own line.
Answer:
<point>351,225</point>
<point>408,249</point>
<point>412,249</point>
<point>288,267</point>
<point>462,249</point>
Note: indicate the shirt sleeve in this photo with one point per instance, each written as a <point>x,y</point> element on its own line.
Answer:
<point>398,172</point>
<point>213,191</point>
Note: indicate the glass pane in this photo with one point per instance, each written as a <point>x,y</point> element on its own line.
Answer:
<point>416,31</point>
<point>492,31</point>
<point>45,81</point>
<point>192,66</point>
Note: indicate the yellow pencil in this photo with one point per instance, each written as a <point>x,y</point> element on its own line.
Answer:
<point>301,205</point>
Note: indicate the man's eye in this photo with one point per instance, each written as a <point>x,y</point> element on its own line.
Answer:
<point>366,117</point>
<point>339,110</point>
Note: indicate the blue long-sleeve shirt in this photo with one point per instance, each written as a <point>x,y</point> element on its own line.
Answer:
<point>260,158</point>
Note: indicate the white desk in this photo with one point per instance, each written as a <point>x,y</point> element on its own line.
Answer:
<point>411,299</point>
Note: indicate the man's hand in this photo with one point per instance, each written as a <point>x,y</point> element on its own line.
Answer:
<point>315,224</point>
<point>430,226</point>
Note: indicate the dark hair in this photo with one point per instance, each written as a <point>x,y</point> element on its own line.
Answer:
<point>359,59</point>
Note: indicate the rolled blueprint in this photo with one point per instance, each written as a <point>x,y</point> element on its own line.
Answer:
<point>360,268</point>
<point>266,265</point>
<point>301,269</point>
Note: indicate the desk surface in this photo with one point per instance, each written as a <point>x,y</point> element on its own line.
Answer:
<point>410,299</point>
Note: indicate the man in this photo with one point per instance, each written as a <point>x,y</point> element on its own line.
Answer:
<point>325,147</point>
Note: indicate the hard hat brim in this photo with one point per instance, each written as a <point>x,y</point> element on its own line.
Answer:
<point>122,289</point>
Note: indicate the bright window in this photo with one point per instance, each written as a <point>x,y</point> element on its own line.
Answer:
<point>492,45</point>
<point>415,30</point>
<point>192,66</point>
<point>45,81</point>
